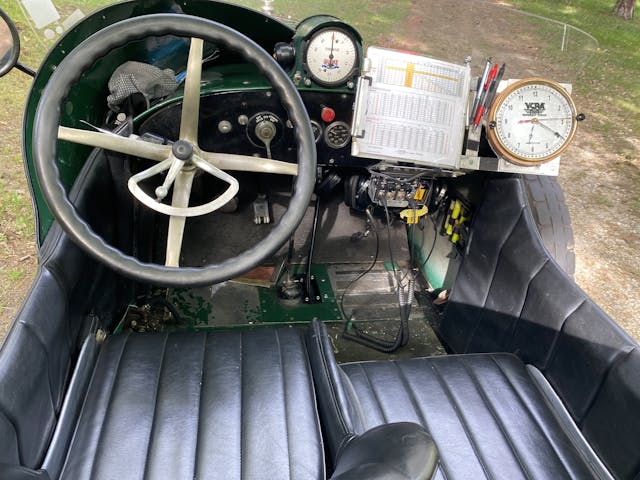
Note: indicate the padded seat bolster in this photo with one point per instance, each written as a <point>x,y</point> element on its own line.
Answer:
<point>210,405</point>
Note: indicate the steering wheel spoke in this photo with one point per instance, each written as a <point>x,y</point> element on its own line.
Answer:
<point>180,199</point>
<point>182,211</point>
<point>191,102</point>
<point>115,143</point>
<point>246,163</point>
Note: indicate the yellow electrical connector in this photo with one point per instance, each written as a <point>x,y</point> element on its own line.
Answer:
<point>411,216</point>
<point>457,206</point>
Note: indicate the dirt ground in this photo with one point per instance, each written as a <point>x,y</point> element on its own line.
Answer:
<point>601,182</point>
<point>599,174</point>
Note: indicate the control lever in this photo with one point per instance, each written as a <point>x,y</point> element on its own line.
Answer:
<point>266,132</point>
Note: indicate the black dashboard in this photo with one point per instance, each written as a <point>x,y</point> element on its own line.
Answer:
<point>242,122</point>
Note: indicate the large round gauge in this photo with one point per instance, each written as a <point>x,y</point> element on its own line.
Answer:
<point>532,122</point>
<point>331,55</point>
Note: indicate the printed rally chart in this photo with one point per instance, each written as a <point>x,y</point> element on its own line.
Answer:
<point>410,108</point>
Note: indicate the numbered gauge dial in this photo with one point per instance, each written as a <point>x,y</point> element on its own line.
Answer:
<point>331,56</point>
<point>532,122</point>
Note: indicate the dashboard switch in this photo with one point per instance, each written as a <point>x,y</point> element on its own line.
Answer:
<point>327,114</point>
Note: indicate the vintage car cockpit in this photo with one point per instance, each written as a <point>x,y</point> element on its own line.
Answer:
<point>269,249</point>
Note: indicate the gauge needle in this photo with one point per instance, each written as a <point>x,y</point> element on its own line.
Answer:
<point>550,129</point>
<point>537,120</point>
<point>333,37</point>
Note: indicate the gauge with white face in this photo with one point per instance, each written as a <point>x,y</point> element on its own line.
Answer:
<point>330,56</point>
<point>532,122</point>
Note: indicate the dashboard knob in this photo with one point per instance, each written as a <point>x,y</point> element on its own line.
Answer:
<point>327,114</point>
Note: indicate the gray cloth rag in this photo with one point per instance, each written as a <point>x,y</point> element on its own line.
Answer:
<point>136,77</point>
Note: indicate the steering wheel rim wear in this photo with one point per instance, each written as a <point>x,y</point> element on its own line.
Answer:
<point>46,133</point>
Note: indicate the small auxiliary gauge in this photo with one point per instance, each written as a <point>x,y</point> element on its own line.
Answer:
<point>532,122</point>
<point>337,135</point>
<point>331,55</point>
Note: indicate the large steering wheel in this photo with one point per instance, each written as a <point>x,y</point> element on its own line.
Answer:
<point>181,160</point>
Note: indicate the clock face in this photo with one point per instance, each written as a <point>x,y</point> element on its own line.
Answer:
<point>330,57</point>
<point>532,122</point>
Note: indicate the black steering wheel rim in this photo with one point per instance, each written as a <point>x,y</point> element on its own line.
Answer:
<point>47,119</point>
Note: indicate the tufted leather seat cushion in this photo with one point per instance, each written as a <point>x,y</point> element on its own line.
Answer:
<point>489,414</point>
<point>206,405</point>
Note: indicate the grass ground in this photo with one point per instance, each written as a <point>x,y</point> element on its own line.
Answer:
<point>610,81</point>
<point>601,180</point>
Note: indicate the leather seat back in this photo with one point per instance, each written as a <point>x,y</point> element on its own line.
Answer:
<point>510,296</point>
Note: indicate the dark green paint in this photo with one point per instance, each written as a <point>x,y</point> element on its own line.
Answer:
<point>274,310</point>
<point>200,308</point>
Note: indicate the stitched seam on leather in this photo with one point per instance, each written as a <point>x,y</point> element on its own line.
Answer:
<point>493,278</point>
<point>106,410</point>
<point>463,421</point>
<point>414,402</point>
<point>12,422</point>
<point>54,269</point>
<point>375,395</point>
<point>411,393</point>
<point>586,454</point>
<point>155,403</point>
<point>332,390</point>
<point>532,416</point>
<point>551,356</point>
<point>202,377</point>
<point>619,358</point>
<point>29,329</point>
<point>310,384</point>
<point>514,328</point>
<point>495,418</point>
<point>284,402</point>
<point>67,291</point>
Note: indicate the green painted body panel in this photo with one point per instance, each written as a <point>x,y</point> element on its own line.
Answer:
<point>236,304</point>
<point>88,100</point>
<point>437,257</point>
<point>274,310</point>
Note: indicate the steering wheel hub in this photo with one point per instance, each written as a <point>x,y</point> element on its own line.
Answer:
<point>182,150</point>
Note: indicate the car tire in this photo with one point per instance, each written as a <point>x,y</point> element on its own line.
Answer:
<point>549,208</point>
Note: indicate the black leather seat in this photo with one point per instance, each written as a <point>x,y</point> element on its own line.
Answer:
<point>208,405</point>
<point>489,415</point>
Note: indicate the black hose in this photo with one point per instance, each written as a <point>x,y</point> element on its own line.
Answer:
<point>402,337</point>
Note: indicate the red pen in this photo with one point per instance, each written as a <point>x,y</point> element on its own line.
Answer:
<point>492,75</point>
<point>482,107</point>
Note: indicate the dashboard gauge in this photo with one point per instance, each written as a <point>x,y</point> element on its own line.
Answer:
<point>532,122</point>
<point>337,135</point>
<point>331,56</point>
